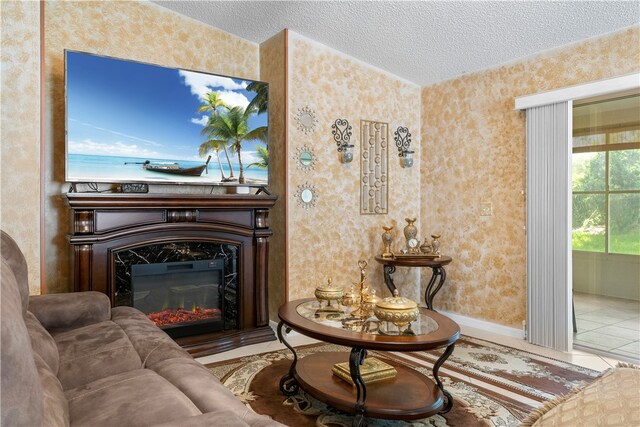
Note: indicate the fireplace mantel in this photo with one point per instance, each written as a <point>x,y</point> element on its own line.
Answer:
<point>105,223</point>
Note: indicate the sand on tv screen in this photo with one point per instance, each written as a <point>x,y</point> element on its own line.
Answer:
<point>128,121</point>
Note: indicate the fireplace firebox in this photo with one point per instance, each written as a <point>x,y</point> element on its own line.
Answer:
<point>195,264</point>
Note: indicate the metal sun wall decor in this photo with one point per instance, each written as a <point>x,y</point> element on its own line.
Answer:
<point>402,136</point>
<point>305,158</point>
<point>374,156</point>
<point>342,135</point>
<point>306,119</point>
<point>306,195</point>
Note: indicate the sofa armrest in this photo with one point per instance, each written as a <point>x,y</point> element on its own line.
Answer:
<point>61,312</point>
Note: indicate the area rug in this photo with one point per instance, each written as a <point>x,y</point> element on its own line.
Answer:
<point>492,385</point>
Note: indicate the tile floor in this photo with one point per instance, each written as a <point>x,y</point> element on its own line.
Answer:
<point>577,357</point>
<point>608,324</point>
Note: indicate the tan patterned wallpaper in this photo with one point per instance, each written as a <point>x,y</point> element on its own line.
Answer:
<point>272,70</point>
<point>141,31</point>
<point>20,131</point>
<point>327,240</point>
<point>473,153</point>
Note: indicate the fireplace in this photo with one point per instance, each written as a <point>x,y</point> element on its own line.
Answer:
<point>186,289</point>
<point>195,265</point>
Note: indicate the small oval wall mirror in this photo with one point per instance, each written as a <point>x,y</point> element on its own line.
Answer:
<point>306,158</point>
<point>306,195</point>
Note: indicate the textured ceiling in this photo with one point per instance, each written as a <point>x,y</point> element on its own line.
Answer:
<point>420,41</point>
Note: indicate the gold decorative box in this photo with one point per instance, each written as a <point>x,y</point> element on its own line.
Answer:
<point>328,292</point>
<point>397,310</point>
<point>371,371</point>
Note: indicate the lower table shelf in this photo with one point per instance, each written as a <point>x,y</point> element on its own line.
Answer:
<point>409,396</point>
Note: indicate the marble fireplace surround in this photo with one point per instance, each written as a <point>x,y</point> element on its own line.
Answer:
<point>109,230</point>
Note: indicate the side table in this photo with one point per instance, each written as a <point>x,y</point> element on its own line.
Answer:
<point>437,272</point>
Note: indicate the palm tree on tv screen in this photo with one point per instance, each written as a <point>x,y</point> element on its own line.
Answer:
<point>263,154</point>
<point>215,145</point>
<point>261,100</point>
<point>214,104</point>
<point>233,128</point>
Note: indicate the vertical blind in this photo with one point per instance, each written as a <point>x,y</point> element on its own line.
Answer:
<point>549,225</point>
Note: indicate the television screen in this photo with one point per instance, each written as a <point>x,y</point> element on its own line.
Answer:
<point>128,121</point>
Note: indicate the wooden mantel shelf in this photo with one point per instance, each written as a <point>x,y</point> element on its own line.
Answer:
<point>151,200</point>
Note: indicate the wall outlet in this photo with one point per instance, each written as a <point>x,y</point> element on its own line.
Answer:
<point>486,209</point>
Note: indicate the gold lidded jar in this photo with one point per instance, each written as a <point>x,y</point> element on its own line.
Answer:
<point>396,309</point>
<point>328,292</point>
<point>351,297</point>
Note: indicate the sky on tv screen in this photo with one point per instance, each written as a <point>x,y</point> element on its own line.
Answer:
<point>125,109</point>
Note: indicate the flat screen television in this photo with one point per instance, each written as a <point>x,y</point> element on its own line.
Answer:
<point>132,122</point>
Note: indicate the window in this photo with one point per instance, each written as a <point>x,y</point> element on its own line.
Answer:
<point>606,176</point>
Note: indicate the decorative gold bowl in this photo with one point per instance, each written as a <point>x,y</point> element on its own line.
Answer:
<point>328,292</point>
<point>397,310</point>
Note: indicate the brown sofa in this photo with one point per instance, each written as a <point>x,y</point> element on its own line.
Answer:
<point>71,359</point>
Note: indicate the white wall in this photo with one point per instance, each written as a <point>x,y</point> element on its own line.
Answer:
<point>611,275</point>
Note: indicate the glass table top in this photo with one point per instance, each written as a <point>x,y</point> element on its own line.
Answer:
<point>340,317</point>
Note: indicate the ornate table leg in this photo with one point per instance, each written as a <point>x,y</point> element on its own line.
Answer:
<point>355,360</point>
<point>388,280</point>
<point>430,293</point>
<point>288,384</point>
<point>447,407</point>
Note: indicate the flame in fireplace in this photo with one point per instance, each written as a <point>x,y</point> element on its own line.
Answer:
<point>170,316</point>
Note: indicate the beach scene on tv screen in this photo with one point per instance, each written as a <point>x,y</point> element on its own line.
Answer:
<point>134,122</point>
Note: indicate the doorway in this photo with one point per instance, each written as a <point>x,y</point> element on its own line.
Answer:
<point>606,224</point>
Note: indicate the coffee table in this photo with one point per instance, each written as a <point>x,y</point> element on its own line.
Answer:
<point>410,395</point>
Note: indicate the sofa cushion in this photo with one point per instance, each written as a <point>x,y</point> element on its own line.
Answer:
<point>42,342</point>
<point>21,391</point>
<point>93,352</point>
<point>56,409</point>
<point>133,398</point>
<point>151,343</point>
<point>204,390</point>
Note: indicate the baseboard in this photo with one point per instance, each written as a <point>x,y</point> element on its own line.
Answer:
<point>484,325</point>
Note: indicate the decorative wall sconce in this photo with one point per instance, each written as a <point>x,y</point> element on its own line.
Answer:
<point>341,135</point>
<point>403,142</point>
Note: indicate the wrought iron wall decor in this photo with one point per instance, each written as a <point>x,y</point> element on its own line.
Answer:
<point>374,156</point>
<point>305,158</point>
<point>306,119</point>
<point>402,136</point>
<point>342,135</point>
<point>306,195</point>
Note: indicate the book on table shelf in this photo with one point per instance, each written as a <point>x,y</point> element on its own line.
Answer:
<point>371,371</point>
